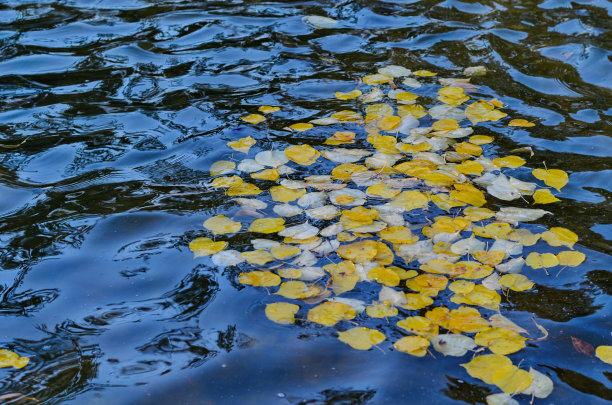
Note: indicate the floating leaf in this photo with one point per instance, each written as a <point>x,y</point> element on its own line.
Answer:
<point>483,111</point>
<point>376,79</point>
<point>500,340</point>
<point>552,177</point>
<point>272,158</point>
<point>206,246</point>
<point>511,379</point>
<point>604,353</point>
<point>243,189</point>
<point>266,109</point>
<point>242,144</point>
<point>414,345</point>
<point>475,71</point>
<point>300,127</point>
<point>253,118</point>
<point>424,73</point>
<point>570,258</point>
<point>544,196</point>
<point>361,338</point>
<point>285,195</point>
<point>538,261</point>
<point>509,161</point>
<point>226,181</point>
<point>516,282</point>
<point>501,398</point>
<point>318,21</point>
<point>11,359</point>
<point>267,225</point>
<point>220,225</point>
<point>347,96</point>
<point>259,257</point>
<point>541,385</point>
<point>330,313</point>
<point>221,167</point>
<point>483,367</point>
<point>304,155</point>
<point>453,344</point>
<point>419,325</point>
<point>282,312</point>
<point>259,278</point>
<point>381,310</point>
<point>481,139</point>
<point>384,276</point>
<point>298,290</point>
<point>558,236</point>
<point>519,122</point>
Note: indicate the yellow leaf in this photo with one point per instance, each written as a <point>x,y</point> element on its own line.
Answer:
<point>452,95</point>
<point>552,177</point>
<point>416,110</point>
<point>524,237</point>
<point>481,139</point>
<point>345,170</point>
<point>477,214</point>
<point>438,315</point>
<point>424,73</point>
<point>538,261</point>
<point>361,338</point>
<point>445,202</point>
<point>282,312</point>
<point>410,200</point>
<point>359,252</point>
<point>414,345</point>
<point>243,189</point>
<point>491,257</point>
<point>347,116</point>
<point>416,301</point>
<point>438,266</point>
<point>465,319</point>
<point>282,252</point>
<point>468,148</point>
<point>468,194</point>
<point>304,155</point>
<point>259,278</point>
<point>381,190</point>
<point>544,196</point>
<point>330,313</point>
<point>483,367</point>
<point>558,236</point>
<point>253,118</point>
<point>242,144</point>
<point>226,181</point>
<point>376,79</point>
<point>285,195</point>
<point>11,359</point>
<point>470,167</point>
<point>480,296</point>
<point>461,286</point>
<point>289,273</point>
<point>384,276</point>
<point>500,340</point>
<point>220,225</point>
<point>403,274</point>
<point>511,379</point>
<point>266,109</point>
<point>405,97</point>
<point>343,282</point>
<point>495,230</point>
<point>347,96</point>
<point>407,148</point>
<point>298,290</point>
<point>266,174</point>
<point>389,122</point>
<point>516,282</point>
<point>604,353</point>
<point>300,127</point>
<point>509,161</point>
<point>519,122</point>
<point>206,246</point>
<point>398,234</point>
<point>341,137</point>
<point>381,310</point>
<point>221,167</point>
<point>570,258</point>
<point>483,111</point>
<point>427,284</point>
<point>416,167</point>
<point>267,225</point>
<point>445,124</point>
<point>419,325</point>
<point>357,216</point>
<point>259,257</point>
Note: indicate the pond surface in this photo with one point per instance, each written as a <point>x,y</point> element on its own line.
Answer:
<point>120,108</point>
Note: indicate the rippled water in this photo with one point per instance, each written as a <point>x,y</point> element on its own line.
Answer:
<point>123,105</point>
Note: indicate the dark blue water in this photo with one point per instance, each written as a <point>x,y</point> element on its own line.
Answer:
<point>121,106</point>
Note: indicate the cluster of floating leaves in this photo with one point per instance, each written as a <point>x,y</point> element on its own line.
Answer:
<point>370,220</point>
